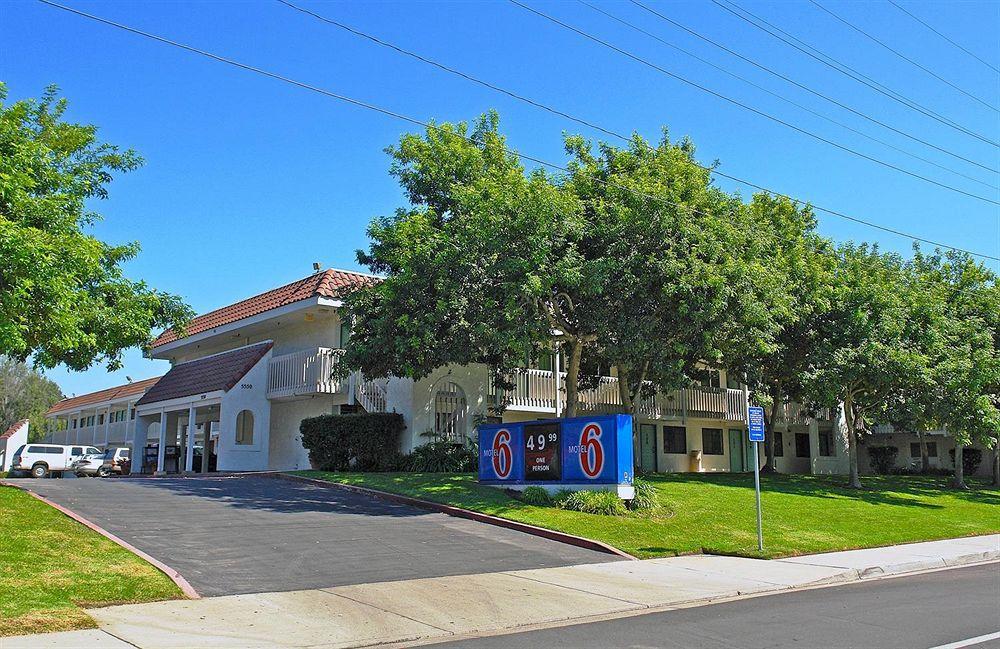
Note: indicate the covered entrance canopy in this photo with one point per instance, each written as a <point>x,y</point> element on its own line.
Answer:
<point>189,405</point>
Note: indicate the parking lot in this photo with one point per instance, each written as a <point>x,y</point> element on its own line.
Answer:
<point>230,535</point>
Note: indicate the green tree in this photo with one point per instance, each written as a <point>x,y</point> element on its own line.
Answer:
<point>25,393</point>
<point>481,267</point>
<point>680,266</point>
<point>63,295</point>
<point>964,369</point>
<point>874,340</point>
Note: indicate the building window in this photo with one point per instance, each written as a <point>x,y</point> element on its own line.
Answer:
<point>801,444</point>
<point>733,382</point>
<point>826,443</point>
<point>931,449</point>
<point>674,439</point>
<point>74,424</point>
<point>345,333</point>
<point>779,444</point>
<point>711,441</point>
<point>100,419</point>
<point>712,380</point>
<point>914,449</point>
<point>244,428</point>
<point>450,413</point>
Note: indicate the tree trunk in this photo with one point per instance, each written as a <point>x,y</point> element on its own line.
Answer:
<point>996,461</point>
<point>573,377</point>
<point>925,462</point>
<point>770,466</point>
<point>958,479</point>
<point>852,444</point>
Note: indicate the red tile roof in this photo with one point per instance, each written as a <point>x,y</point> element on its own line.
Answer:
<point>13,429</point>
<point>329,283</point>
<point>109,394</point>
<point>216,372</point>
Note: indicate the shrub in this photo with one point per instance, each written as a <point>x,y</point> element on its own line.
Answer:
<point>606,503</point>
<point>645,497</point>
<point>442,457</point>
<point>971,458</point>
<point>559,497</point>
<point>882,458</point>
<point>355,442</point>
<point>536,496</point>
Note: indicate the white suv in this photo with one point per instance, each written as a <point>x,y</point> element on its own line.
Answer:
<point>42,459</point>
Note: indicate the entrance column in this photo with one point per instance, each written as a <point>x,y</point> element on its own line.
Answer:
<point>191,429</point>
<point>163,443</point>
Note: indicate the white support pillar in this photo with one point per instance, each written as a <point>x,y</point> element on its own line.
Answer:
<point>192,426</point>
<point>163,443</point>
<point>107,426</point>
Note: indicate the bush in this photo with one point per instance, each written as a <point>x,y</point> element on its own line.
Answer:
<point>646,496</point>
<point>442,457</point>
<point>606,503</point>
<point>536,496</point>
<point>971,459</point>
<point>355,442</point>
<point>882,458</point>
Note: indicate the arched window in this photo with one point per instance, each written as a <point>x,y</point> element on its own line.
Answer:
<point>244,428</point>
<point>450,413</point>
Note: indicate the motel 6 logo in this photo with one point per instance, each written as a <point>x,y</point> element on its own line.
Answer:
<point>591,450</point>
<point>502,456</point>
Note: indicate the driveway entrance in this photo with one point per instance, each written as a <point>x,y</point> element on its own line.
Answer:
<point>230,535</point>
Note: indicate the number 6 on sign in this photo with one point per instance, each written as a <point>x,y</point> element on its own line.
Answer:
<point>502,460</point>
<point>591,451</point>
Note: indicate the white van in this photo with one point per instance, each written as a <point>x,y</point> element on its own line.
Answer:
<point>42,459</point>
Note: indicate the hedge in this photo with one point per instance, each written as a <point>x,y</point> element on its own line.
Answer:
<point>971,459</point>
<point>355,442</point>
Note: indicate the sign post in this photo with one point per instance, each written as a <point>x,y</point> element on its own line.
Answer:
<point>755,429</point>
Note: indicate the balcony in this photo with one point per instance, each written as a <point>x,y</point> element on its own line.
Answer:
<point>304,373</point>
<point>797,414</point>
<point>535,391</point>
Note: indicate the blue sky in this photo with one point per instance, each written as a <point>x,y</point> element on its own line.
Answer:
<point>248,181</point>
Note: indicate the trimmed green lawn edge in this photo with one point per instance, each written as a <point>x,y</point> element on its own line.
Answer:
<point>51,567</point>
<point>714,513</point>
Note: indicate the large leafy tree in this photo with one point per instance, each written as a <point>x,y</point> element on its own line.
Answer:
<point>63,295</point>
<point>25,393</point>
<point>481,267</point>
<point>805,264</point>
<point>875,339</point>
<point>681,266</point>
<point>964,376</point>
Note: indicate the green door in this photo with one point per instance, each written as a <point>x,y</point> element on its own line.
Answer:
<point>737,456</point>
<point>647,447</point>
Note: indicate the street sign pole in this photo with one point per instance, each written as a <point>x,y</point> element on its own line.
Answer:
<point>755,431</point>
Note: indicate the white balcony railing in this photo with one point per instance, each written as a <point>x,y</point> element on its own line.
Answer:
<point>795,413</point>
<point>535,391</point>
<point>311,371</point>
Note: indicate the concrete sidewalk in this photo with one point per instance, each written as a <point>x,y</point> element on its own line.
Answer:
<point>442,607</point>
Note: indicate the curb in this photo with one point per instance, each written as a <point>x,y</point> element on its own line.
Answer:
<point>458,512</point>
<point>174,576</point>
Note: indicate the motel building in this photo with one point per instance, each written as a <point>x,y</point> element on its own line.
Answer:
<point>239,383</point>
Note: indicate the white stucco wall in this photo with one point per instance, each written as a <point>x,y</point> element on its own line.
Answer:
<point>10,445</point>
<point>251,457</point>
<point>286,452</point>
<point>902,441</point>
<point>473,379</point>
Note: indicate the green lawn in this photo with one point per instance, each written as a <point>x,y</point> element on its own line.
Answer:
<point>51,566</point>
<point>714,513</point>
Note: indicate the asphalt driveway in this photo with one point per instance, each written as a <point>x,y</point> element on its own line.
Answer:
<point>230,535</point>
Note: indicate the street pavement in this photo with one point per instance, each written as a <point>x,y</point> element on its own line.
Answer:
<point>236,535</point>
<point>922,611</point>
<point>439,608</point>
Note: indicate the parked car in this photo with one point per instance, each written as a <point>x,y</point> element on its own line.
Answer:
<point>89,465</point>
<point>116,460</point>
<point>42,460</point>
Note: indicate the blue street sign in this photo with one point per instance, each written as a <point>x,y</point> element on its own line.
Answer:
<point>755,421</point>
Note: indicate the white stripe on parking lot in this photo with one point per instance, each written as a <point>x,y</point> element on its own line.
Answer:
<point>979,639</point>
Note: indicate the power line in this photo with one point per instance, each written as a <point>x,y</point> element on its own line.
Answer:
<point>780,96</point>
<point>851,73</point>
<point>519,97</point>
<point>555,111</point>
<point>747,107</point>
<point>412,120</point>
<point>906,58</point>
<point>928,26</point>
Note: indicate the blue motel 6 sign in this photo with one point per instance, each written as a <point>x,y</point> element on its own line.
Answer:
<point>582,452</point>
<point>755,423</point>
